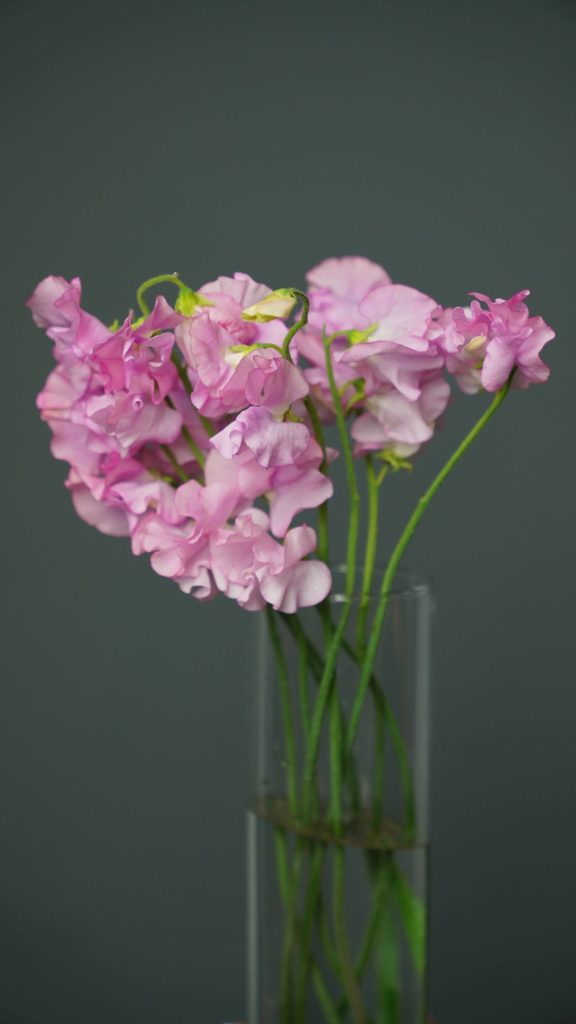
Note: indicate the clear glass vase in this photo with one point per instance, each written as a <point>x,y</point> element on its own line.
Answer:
<point>338,821</point>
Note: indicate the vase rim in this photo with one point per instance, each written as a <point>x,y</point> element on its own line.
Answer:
<point>407,583</point>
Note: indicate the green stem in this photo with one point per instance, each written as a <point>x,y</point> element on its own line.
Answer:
<point>336,732</point>
<point>317,719</point>
<point>323,995</point>
<point>297,630</point>
<point>397,554</point>
<point>316,853</point>
<point>385,716</point>
<point>174,463</point>
<point>290,911</point>
<point>301,932</point>
<point>196,451</point>
<point>299,323</point>
<point>370,555</point>
<point>353,492</point>
<point>151,282</point>
<point>337,636</point>
<point>350,982</point>
<point>381,891</point>
<point>207,424</point>
<point>181,372</point>
<point>284,683</point>
<point>303,656</point>
<point>318,431</point>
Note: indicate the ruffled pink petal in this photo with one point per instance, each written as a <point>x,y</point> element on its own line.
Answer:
<point>274,383</point>
<point>112,521</point>
<point>241,288</point>
<point>348,277</point>
<point>203,341</point>
<point>293,490</point>
<point>300,586</point>
<point>133,420</point>
<point>44,301</point>
<point>498,364</point>
<point>401,313</point>
<point>273,443</point>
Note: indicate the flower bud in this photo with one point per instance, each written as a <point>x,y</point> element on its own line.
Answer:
<point>188,300</point>
<point>275,306</point>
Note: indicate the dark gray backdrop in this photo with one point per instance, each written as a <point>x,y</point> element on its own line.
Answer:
<point>140,138</point>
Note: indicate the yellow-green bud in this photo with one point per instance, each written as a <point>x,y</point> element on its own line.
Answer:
<point>475,343</point>
<point>357,337</point>
<point>188,300</point>
<point>275,306</point>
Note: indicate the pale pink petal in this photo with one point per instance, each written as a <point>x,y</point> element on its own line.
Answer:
<point>274,382</point>
<point>44,301</point>
<point>300,586</point>
<point>400,313</point>
<point>112,521</point>
<point>498,364</point>
<point>241,288</point>
<point>348,277</point>
<point>293,490</point>
<point>272,442</point>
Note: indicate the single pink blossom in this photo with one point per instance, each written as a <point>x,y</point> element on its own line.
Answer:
<point>395,424</point>
<point>175,555</point>
<point>229,297</point>
<point>133,420</point>
<point>252,568</point>
<point>294,489</point>
<point>273,442</point>
<point>55,306</point>
<point>132,362</point>
<point>484,344</point>
<point>400,315</point>
<point>337,288</point>
<point>301,583</point>
<point>107,519</point>
<point>392,364</point>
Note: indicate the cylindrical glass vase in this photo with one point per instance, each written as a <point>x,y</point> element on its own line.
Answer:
<point>338,820</point>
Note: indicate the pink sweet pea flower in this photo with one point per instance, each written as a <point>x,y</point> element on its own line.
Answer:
<point>310,346</point>
<point>296,488</point>
<point>241,290</point>
<point>55,306</point>
<point>395,424</point>
<point>290,489</point>
<point>207,507</point>
<point>300,583</point>
<point>394,348</point>
<point>108,520</point>
<point>128,484</point>
<point>253,569</point>
<point>226,379</point>
<point>229,297</point>
<point>400,315</point>
<point>392,364</point>
<point>271,441</point>
<point>174,555</point>
<point>133,420</point>
<point>485,345</point>
<point>337,287</point>
<point>131,361</point>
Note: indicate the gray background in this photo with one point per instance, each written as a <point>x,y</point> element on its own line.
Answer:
<point>437,138</point>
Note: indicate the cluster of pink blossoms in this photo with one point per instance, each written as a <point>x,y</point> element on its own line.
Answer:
<point>190,428</point>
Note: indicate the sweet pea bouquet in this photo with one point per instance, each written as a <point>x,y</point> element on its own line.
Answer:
<point>198,429</point>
